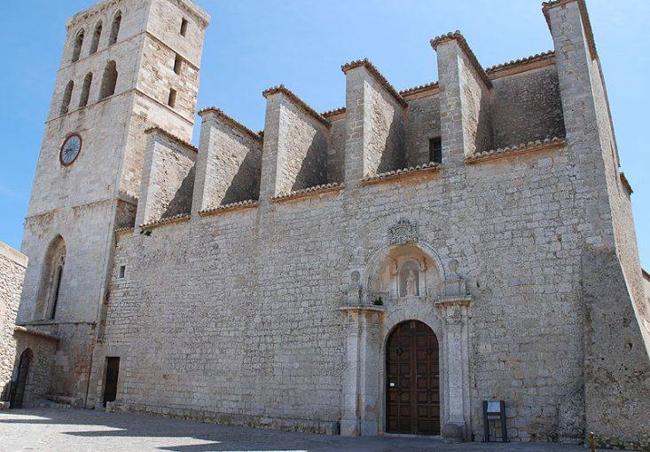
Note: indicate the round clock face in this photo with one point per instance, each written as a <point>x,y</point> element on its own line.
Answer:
<point>70,149</point>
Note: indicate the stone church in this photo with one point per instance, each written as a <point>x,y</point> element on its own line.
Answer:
<point>391,266</point>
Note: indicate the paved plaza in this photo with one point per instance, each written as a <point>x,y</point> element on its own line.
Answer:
<point>84,430</point>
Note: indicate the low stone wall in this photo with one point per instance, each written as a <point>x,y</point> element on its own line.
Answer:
<point>12,274</point>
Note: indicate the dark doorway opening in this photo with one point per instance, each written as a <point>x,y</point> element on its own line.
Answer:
<point>412,380</point>
<point>112,373</point>
<point>17,395</point>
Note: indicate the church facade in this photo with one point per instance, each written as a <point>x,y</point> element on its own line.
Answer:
<point>386,267</point>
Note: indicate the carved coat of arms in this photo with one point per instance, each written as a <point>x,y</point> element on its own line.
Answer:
<point>403,232</point>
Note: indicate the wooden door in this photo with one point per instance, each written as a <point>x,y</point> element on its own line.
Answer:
<point>412,380</point>
<point>112,373</point>
<point>18,394</point>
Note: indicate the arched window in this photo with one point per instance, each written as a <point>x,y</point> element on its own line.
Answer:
<point>96,36</point>
<point>78,43</point>
<point>109,81</point>
<point>115,28</point>
<point>51,279</point>
<point>67,96</point>
<point>85,90</point>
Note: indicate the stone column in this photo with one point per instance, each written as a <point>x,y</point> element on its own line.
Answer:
<point>360,413</point>
<point>455,417</point>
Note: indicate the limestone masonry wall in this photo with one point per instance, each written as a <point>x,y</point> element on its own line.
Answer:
<point>229,168</point>
<point>256,279</point>
<point>12,273</point>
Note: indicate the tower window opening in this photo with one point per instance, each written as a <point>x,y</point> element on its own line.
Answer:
<point>96,37</point>
<point>52,280</point>
<point>56,291</point>
<point>178,64</point>
<point>435,149</point>
<point>67,96</point>
<point>109,80</point>
<point>85,90</point>
<point>171,101</point>
<point>78,44</point>
<point>184,24</point>
<point>115,28</point>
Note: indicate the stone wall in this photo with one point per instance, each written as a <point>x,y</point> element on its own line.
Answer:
<point>168,179</point>
<point>296,142</point>
<point>526,107</point>
<point>12,273</point>
<point>262,287</point>
<point>229,163</point>
<point>617,370</point>
<point>423,124</point>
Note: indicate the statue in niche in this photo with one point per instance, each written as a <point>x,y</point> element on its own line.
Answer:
<point>355,290</point>
<point>411,285</point>
<point>409,279</point>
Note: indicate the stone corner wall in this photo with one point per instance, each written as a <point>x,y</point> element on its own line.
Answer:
<point>12,273</point>
<point>617,368</point>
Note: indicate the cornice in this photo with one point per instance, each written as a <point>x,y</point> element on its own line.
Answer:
<point>377,75</point>
<point>241,205</point>
<point>408,172</point>
<point>229,120</point>
<point>281,89</point>
<point>182,218</point>
<point>531,146</point>
<point>169,136</point>
<point>310,191</point>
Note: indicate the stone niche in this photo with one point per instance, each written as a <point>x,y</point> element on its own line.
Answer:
<point>405,272</point>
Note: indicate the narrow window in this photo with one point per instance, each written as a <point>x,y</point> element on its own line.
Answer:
<point>85,90</point>
<point>67,96</point>
<point>96,36</point>
<point>56,290</point>
<point>115,28</point>
<point>109,81</point>
<point>435,149</point>
<point>178,64</point>
<point>78,43</point>
<point>49,293</point>
<point>171,101</point>
<point>122,271</point>
<point>184,24</point>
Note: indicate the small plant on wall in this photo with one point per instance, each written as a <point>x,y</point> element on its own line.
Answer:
<point>378,301</point>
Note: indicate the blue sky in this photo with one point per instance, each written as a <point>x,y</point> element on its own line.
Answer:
<point>254,44</point>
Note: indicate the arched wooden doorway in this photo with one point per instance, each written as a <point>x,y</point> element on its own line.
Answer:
<point>18,392</point>
<point>412,380</point>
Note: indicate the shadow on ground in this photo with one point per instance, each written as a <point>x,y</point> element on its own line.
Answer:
<point>70,429</point>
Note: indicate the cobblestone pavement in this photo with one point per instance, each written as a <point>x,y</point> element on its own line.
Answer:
<point>84,430</point>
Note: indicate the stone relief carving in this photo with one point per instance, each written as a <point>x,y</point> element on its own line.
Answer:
<point>403,232</point>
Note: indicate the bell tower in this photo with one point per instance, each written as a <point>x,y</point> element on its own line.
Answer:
<point>127,65</point>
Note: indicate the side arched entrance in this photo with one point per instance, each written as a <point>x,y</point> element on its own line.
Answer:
<point>412,380</point>
<point>18,391</point>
